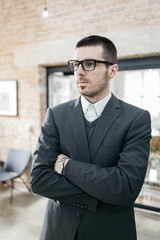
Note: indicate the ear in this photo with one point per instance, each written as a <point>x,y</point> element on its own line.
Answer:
<point>113,69</point>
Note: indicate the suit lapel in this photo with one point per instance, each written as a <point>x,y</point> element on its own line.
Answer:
<point>76,121</point>
<point>109,115</point>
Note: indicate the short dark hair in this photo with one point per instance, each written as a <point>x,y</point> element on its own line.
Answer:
<point>110,51</point>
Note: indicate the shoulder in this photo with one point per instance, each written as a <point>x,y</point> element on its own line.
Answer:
<point>130,110</point>
<point>130,107</point>
<point>61,110</point>
<point>64,106</point>
<point>126,106</point>
<point>135,114</point>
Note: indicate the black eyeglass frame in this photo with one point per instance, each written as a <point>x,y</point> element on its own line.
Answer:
<point>81,62</point>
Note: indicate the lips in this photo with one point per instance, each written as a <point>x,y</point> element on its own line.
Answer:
<point>82,82</point>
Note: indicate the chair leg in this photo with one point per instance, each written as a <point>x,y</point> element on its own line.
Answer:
<point>25,184</point>
<point>12,186</point>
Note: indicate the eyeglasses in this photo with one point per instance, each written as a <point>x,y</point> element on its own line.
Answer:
<point>87,64</point>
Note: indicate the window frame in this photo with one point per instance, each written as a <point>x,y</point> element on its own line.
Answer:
<point>124,65</point>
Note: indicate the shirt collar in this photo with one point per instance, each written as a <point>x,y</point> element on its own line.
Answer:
<point>99,106</point>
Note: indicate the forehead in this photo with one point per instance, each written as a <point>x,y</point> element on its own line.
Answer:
<point>89,52</point>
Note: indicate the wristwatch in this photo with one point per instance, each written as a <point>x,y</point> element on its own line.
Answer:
<point>60,165</point>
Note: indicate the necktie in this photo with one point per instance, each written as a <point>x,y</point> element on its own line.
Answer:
<point>91,114</point>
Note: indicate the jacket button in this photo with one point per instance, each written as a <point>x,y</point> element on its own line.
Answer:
<point>78,215</point>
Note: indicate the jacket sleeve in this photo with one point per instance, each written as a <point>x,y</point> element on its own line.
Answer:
<point>122,183</point>
<point>44,181</point>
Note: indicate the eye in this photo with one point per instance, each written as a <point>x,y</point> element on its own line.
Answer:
<point>89,63</point>
<point>75,64</point>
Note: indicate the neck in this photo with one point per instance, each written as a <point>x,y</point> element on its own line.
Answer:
<point>95,98</point>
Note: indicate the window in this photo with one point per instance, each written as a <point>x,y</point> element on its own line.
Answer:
<point>138,83</point>
<point>61,86</point>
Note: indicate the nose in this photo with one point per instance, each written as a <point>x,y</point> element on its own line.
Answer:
<point>80,70</point>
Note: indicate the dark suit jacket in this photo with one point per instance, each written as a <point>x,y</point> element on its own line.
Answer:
<point>95,195</point>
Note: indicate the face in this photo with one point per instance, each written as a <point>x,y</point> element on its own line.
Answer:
<point>93,85</point>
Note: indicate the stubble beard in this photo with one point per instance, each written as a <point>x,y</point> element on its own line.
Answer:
<point>91,93</point>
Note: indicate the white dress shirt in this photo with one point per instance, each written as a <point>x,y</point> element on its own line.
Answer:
<point>94,111</point>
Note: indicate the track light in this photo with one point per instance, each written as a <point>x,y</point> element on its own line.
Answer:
<point>45,12</point>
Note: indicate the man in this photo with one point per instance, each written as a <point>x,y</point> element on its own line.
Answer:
<point>91,164</point>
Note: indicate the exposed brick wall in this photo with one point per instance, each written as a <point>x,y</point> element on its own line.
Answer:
<point>29,42</point>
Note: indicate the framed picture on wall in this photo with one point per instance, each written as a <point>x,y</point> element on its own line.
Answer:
<point>8,98</point>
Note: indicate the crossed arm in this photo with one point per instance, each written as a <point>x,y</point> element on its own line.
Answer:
<point>87,182</point>
<point>44,180</point>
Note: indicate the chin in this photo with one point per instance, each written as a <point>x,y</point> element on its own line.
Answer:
<point>83,91</point>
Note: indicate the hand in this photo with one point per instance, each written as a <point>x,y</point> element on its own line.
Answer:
<point>59,157</point>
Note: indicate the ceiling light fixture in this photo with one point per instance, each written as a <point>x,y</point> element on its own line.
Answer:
<point>45,12</point>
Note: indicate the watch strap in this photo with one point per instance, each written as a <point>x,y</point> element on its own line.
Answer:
<point>62,161</point>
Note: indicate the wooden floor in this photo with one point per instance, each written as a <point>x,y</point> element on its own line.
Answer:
<point>22,220</point>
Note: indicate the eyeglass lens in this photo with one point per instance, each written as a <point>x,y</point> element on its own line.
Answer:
<point>87,65</point>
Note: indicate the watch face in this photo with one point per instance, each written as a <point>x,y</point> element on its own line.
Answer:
<point>59,167</point>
